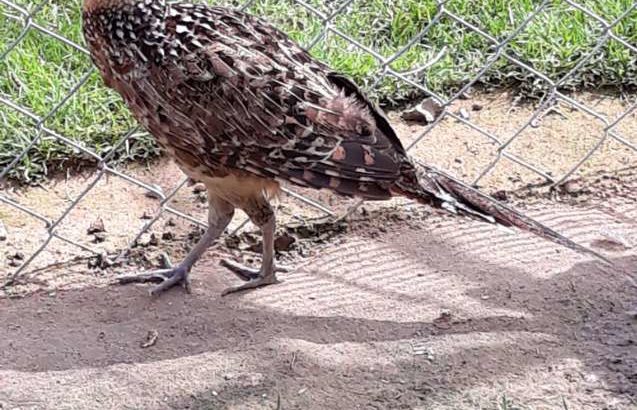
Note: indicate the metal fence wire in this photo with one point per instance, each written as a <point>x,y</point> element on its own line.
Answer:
<point>105,163</point>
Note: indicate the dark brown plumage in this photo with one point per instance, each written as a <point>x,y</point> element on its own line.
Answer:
<point>241,107</point>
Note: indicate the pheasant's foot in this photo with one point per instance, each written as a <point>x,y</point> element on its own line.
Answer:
<point>252,283</point>
<point>167,278</point>
<point>246,273</point>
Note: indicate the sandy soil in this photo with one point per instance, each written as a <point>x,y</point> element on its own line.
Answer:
<point>404,309</point>
<point>449,315</point>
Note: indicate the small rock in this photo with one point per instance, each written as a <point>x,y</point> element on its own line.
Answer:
<point>283,242</point>
<point>100,261</point>
<point>426,112</point>
<point>198,188</point>
<point>255,247</point>
<point>476,107</point>
<point>15,259</point>
<point>3,232</point>
<point>144,240</point>
<point>443,320</point>
<point>500,195</point>
<point>615,238</point>
<point>99,237</point>
<point>17,256</point>
<point>232,241</point>
<point>609,244</point>
<point>464,114</point>
<point>147,215</point>
<point>154,240</point>
<point>572,187</point>
<point>96,226</point>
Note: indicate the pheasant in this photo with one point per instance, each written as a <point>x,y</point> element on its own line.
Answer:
<point>242,108</point>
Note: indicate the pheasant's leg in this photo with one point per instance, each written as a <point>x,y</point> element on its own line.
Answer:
<point>262,215</point>
<point>220,213</point>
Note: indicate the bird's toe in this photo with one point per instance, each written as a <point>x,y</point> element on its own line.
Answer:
<point>166,278</point>
<point>252,284</point>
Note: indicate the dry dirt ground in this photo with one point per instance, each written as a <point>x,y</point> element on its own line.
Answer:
<point>402,309</point>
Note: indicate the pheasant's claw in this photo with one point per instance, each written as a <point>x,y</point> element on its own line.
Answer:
<point>252,284</point>
<point>246,273</point>
<point>166,278</point>
<point>243,272</point>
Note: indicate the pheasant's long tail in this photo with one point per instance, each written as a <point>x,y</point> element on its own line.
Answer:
<point>441,190</point>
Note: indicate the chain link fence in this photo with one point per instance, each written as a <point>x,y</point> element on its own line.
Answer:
<point>609,127</point>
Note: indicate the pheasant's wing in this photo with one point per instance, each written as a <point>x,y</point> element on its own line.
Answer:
<point>264,105</point>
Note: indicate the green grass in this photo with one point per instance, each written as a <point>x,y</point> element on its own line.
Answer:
<point>40,71</point>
